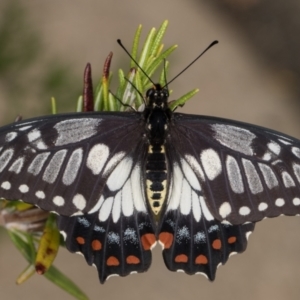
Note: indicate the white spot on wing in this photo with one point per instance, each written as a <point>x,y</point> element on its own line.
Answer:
<point>53,168</point>
<point>137,192</point>
<point>33,135</point>
<point>196,207</point>
<point>116,210</point>
<point>296,201</point>
<point>296,169</point>
<point>127,201</point>
<point>195,166</point>
<point>225,210</point>
<point>35,138</point>
<point>248,233</point>
<point>267,156</point>
<point>253,179</point>
<point>38,162</point>
<point>175,194</point>
<point>79,201</point>
<point>97,205</point>
<point>10,136</point>
<point>234,175</point>
<point>262,206</point>
<point>5,158</point>
<point>23,188</point>
<point>279,202</point>
<point>211,163</point>
<point>17,166</point>
<point>269,176</point>
<point>6,185</point>
<point>190,175</point>
<point>64,235</point>
<point>235,138</point>
<point>97,158</point>
<point>287,179</point>
<point>207,215</point>
<point>75,130</point>
<point>186,203</point>
<point>40,194</point>
<point>72,167</point>
<point>274,147</point>
<point>105,209</point>
<point>120,174</point>
<point>296,151</point>
<point>58,200</point>
<point>244,211</point>
<point>113,162</point>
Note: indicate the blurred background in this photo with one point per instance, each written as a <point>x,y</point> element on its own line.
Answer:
<point>251,76</point>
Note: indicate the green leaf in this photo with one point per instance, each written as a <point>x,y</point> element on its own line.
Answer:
<point>135,46</point>
<point>183,99</point>
<point>65,283</point>
<point>156,63</point>
<point>156,45</point>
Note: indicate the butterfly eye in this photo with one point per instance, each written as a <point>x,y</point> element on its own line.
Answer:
<point>149,93</point>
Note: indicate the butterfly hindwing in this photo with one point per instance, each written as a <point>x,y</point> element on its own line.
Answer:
<point>200,247</point>
<point>243,172</point>
<point>114,248</point>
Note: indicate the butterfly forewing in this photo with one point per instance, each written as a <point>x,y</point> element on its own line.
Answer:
<point>62,163</point>
<point>243,173</point>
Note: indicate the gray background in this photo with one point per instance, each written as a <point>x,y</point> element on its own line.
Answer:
<point>236,81</point>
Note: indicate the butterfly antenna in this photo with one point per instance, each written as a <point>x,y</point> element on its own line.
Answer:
<point>122,103</point>
<point>212,44</point>
<point>123,47</point>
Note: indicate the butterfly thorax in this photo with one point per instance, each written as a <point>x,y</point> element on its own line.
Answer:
<point>157,115</point>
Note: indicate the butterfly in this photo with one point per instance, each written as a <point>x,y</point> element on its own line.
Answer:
<point>122,181</point>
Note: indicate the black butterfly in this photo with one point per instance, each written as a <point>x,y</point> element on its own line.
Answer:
<point>121,181</point>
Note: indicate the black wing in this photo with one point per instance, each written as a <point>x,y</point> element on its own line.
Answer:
<point>62,163</point>
<point>239,172</point>
<point>89,166</point>
<point>114,248</point>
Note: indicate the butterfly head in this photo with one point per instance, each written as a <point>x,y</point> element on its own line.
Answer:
<point>157,97</point>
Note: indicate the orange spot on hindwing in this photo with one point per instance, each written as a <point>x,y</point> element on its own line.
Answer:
<point>80,240</point>
<point>112,261</point>
<point>166,238</point>
<point>96,245</point>
<point>132,260</point>
<point>231,240</point>
<point>217,244</point>
<point>148,240</point>
<point>201,260</point>
<point>181,258</point>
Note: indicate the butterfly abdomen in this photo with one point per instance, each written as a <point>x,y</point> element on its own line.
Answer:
<point>156,177</point>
